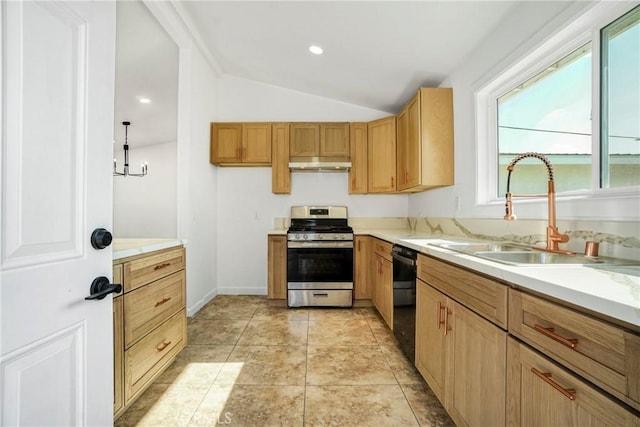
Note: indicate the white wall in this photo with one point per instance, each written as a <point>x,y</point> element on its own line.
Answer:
<point>196,179</point>
<point>524,29</point>
<point>198,201</point>
<point>146,207</point>
<point>246,205</point>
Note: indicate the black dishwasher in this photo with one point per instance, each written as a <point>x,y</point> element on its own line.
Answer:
<point>404,298</point>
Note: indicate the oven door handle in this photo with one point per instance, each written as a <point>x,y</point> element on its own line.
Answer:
<point>323,245</point>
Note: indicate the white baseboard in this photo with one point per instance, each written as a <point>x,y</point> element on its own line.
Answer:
<point>201,303</point>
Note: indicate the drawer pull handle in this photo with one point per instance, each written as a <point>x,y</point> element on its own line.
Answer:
<point>446,320</point>
<point>162,301</point>
<point>569,393</point>
<point>550,332</point>
<point>439,321</point>
<point>163,346</point>
<point>161,266</point>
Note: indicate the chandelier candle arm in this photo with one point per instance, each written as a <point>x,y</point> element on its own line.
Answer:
<point>125,171</point>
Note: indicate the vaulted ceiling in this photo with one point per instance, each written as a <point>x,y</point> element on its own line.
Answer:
<point>376,54</point>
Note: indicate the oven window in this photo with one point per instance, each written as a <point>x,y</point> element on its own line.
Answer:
<point>320,265</point>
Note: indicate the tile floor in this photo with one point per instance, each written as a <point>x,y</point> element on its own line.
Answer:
<point>250,364</point>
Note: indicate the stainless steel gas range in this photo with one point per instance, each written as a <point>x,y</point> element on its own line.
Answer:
<point>319,257</point>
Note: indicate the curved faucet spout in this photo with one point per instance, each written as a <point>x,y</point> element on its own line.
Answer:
<point>553,235</point>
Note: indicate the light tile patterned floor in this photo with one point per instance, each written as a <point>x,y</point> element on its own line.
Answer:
<point>250,364</point>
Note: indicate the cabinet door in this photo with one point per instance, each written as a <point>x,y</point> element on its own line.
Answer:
<point>256,143</point>
<point>305,139</point>
<point>226,143</point>
<point>544,394</point>
<point>431,348</point>
<point>118,355</point>
<point>412,165</point>
<point>334,140</point>
<point>436,137</point>
<point>280,173</point>
<point>358,148</point>
<point>277,274</point>
<point>476,368</point>
<point>386,291</point>
<point>402,123</point>
<point>381,155</point>
<point>362,286</point>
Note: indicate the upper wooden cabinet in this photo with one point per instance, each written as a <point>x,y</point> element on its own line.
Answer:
<point>280,173</point>
<point>381,155</point>
<point>244,144</point>
<point>319,140</point>
<point>334,140</point>
<point>425,141</point>
<point>358,148</point>
<point>304,139</point>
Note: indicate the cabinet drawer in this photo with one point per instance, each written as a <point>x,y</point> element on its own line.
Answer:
<point>148,306</point>
<point>117,278</point>
<point>542,393</point>
<point>151,354</point>
<point>145,270</point>
<point>604,354</point>
<point>482,295</point>
<point>382,248</point>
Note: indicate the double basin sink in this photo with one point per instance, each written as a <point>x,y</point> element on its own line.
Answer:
<point>523,255</point>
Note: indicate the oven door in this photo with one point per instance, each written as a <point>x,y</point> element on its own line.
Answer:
<point>320,265</point>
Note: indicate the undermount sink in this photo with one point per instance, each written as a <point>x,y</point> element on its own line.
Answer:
<point>536,257</point>
<point>523,255</point>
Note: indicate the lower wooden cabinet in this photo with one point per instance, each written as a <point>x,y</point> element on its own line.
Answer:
<point>542,393</point>
<point>118,355</point>
<point>277,267</point>
<point>150,321</point>
<point>382,280</point>
<point>462,357</point>
<point>362,283</point>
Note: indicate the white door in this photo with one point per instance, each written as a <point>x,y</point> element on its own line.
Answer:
<point>56,354</point>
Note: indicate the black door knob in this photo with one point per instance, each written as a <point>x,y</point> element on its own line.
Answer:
<point>100,288</point>
<point>101,238</point>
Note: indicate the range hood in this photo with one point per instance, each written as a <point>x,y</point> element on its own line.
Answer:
<point>319,164</point>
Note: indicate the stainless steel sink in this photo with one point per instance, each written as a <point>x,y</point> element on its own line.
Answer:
<point>472,248</point>
<point>523,255</point>
<point>536,257</point>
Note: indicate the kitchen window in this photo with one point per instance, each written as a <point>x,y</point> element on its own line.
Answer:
<point>576,100</point>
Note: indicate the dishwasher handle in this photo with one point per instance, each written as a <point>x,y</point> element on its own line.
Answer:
<point>404,256</point>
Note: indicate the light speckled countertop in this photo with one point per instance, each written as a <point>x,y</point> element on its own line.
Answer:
<point>609,291</point>
<point>123,248</point>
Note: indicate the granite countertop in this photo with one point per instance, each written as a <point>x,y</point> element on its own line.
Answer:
<point>123,248</point>
<point>613,292</point>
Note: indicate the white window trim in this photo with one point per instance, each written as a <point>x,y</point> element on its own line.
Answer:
<point>577,33</point>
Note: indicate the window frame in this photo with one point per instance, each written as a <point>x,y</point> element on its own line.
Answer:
<point>582,30</point>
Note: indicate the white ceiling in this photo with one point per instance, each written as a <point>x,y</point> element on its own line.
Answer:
<point>377,53</point>
<point>146,65</point>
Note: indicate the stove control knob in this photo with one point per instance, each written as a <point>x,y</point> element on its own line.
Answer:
<point>297,237</point>
<point>306,236</point>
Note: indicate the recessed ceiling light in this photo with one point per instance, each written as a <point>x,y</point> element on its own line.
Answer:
<point>315,49</point>
<point>143,100</point>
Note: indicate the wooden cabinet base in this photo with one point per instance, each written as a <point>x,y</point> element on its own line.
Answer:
<point>541,393</point>
<point>150,321</point>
